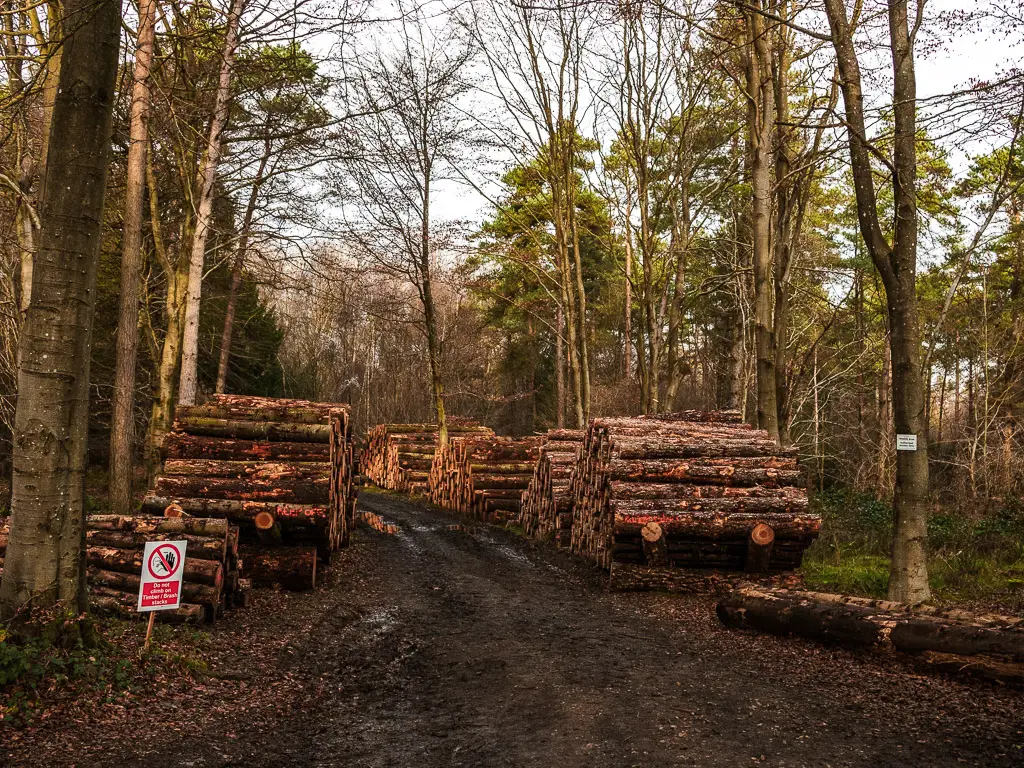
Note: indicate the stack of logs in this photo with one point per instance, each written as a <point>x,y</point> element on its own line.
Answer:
<point>484,477</point>
<point>698,491</point>
<point>113,556</point>
<point>398,457</point>
<point>281,470</point>
<point>547,503</point>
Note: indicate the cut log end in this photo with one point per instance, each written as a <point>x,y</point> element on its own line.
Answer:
<point>174,510</point>
<point>762,535</point>
<point>652,532</point>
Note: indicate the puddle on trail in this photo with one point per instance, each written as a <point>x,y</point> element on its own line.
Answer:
<point>379,523</point>
<point>514,555</point>
<point>382,621</point>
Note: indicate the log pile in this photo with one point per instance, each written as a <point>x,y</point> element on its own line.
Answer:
<point>114,547</point>
<point>547,502</point>
<point>989,646</point>
<point>398,457</point>
<point>691,490</point>
<point>484,477</point>
<point>283,471</point>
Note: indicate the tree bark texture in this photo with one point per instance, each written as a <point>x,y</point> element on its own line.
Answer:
<point>43,564</point>
<point>761,124</point>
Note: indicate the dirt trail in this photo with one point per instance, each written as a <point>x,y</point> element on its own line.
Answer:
<point>442,646</point>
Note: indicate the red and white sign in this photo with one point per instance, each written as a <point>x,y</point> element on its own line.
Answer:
<point>163,565</point>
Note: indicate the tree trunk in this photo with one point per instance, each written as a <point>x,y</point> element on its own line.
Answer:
<point>896,264</point>
<point>559,368</point>
<point>122,425</point>
<point>236,273</point>
<point>176,274</point>
<point>571,323</point>
<point>760,119</point>
<point>627,332</point>
<point>205,183</point>
<point>787,225</point>
<point>680,245</point>
<point>430,318</point>
<point>581,315</point>
<point>43,563</point>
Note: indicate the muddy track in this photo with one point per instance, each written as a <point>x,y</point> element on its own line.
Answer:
<point>448,646</point>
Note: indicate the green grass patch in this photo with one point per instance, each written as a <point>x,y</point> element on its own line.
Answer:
<point>975,558</point>
<point>852,574</point>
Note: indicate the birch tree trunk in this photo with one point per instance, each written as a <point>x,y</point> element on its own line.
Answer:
<point>188,385</point>
<point>43,565</point>
<point>122,425</point>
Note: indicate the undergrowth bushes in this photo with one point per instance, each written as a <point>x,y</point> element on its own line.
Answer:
<point>974,556</point>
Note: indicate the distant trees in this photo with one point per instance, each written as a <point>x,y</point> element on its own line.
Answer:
<point>517,276</point>
<point>414,135</point>
<point>538,64</point>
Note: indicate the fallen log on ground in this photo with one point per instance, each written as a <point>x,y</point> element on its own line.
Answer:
<point>878,624</point>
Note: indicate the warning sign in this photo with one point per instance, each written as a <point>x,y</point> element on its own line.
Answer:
<point>163,565</point>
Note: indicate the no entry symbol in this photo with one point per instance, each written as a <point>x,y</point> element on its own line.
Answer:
<point>164,561</point>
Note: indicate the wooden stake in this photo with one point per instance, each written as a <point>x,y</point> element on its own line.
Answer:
<point>149,630</point>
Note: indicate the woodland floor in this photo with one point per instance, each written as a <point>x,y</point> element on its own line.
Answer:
<point>451,646</point>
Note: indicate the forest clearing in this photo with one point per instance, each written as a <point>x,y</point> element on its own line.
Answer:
<point>442,647</point>
<point>586,382</point>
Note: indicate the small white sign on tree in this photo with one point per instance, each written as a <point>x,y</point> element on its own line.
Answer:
<point>906,442</point>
